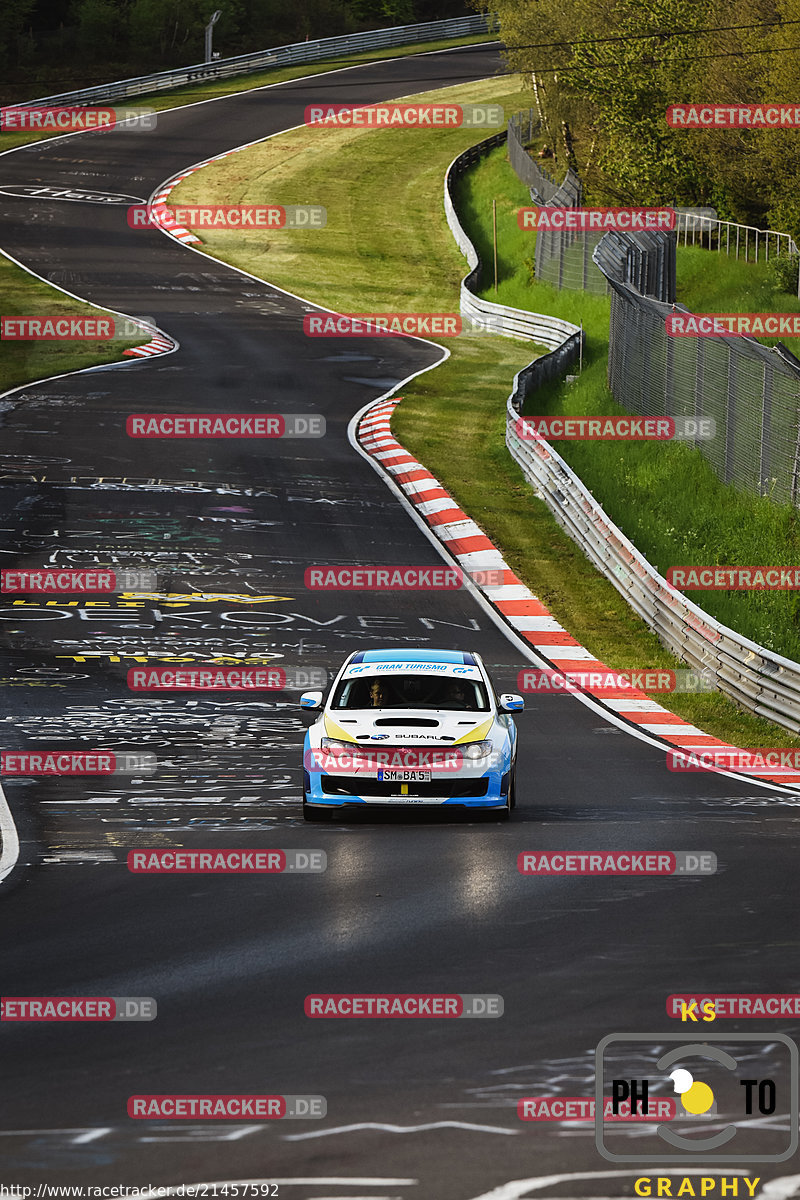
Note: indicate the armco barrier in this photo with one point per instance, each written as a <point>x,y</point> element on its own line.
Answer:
<point>279,56</point>
<point>761,681</point>
<point>511,322</point>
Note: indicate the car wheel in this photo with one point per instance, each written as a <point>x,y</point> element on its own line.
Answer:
<point>312,812</point>
<point>512,788</point>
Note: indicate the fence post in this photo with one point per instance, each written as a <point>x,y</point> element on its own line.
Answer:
<point>764,459</point>
<point>699,378</point>
<point>730,419</point>
<point>796,466</point>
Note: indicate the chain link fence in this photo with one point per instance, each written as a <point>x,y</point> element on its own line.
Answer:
<point>562,257</point>
<point>752,392</point>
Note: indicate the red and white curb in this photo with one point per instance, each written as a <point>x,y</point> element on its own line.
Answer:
<point>158,204</point>
<point>530,619</point>
<point>160,344</point>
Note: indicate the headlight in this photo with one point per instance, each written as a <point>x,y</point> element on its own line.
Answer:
<point>327,743</point>
<point>472,751</point>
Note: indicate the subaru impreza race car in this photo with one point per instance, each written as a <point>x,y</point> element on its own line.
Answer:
<point>403,727</point>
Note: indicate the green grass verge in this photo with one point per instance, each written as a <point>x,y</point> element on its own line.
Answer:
<point>25,362</point>
<point>387,248</point>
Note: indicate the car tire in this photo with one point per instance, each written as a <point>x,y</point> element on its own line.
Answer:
<point>312,812</point>
<point>512,788</point>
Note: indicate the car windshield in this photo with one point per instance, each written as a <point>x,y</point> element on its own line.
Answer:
<point>412,691</point>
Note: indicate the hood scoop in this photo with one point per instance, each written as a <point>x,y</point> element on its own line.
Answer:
<point>405,722</point>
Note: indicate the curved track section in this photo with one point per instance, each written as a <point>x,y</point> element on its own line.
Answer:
<point>420,1108</point>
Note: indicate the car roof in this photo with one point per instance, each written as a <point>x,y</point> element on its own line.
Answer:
<point>403,654</point>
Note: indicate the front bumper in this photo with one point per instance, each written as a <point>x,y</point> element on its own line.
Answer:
<point>465,791</point>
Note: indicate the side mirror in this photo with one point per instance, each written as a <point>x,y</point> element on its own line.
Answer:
<point>311,700</point>
<point>511,702</point>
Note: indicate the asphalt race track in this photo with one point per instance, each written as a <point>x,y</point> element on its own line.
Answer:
<point>415,903</point>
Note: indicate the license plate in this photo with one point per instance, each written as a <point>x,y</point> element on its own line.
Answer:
<point>404,776</point>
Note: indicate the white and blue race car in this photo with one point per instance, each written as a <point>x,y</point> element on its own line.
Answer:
<point>410,727</point>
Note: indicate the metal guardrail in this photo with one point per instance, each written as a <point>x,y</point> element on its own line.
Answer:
<point>510,322</point>
<point>705,230</point>
<point>759,680</point>
<point>279,56</point>
<point>765,683</point>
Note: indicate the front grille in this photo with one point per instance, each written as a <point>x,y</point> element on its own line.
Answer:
<point>353,785</point>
